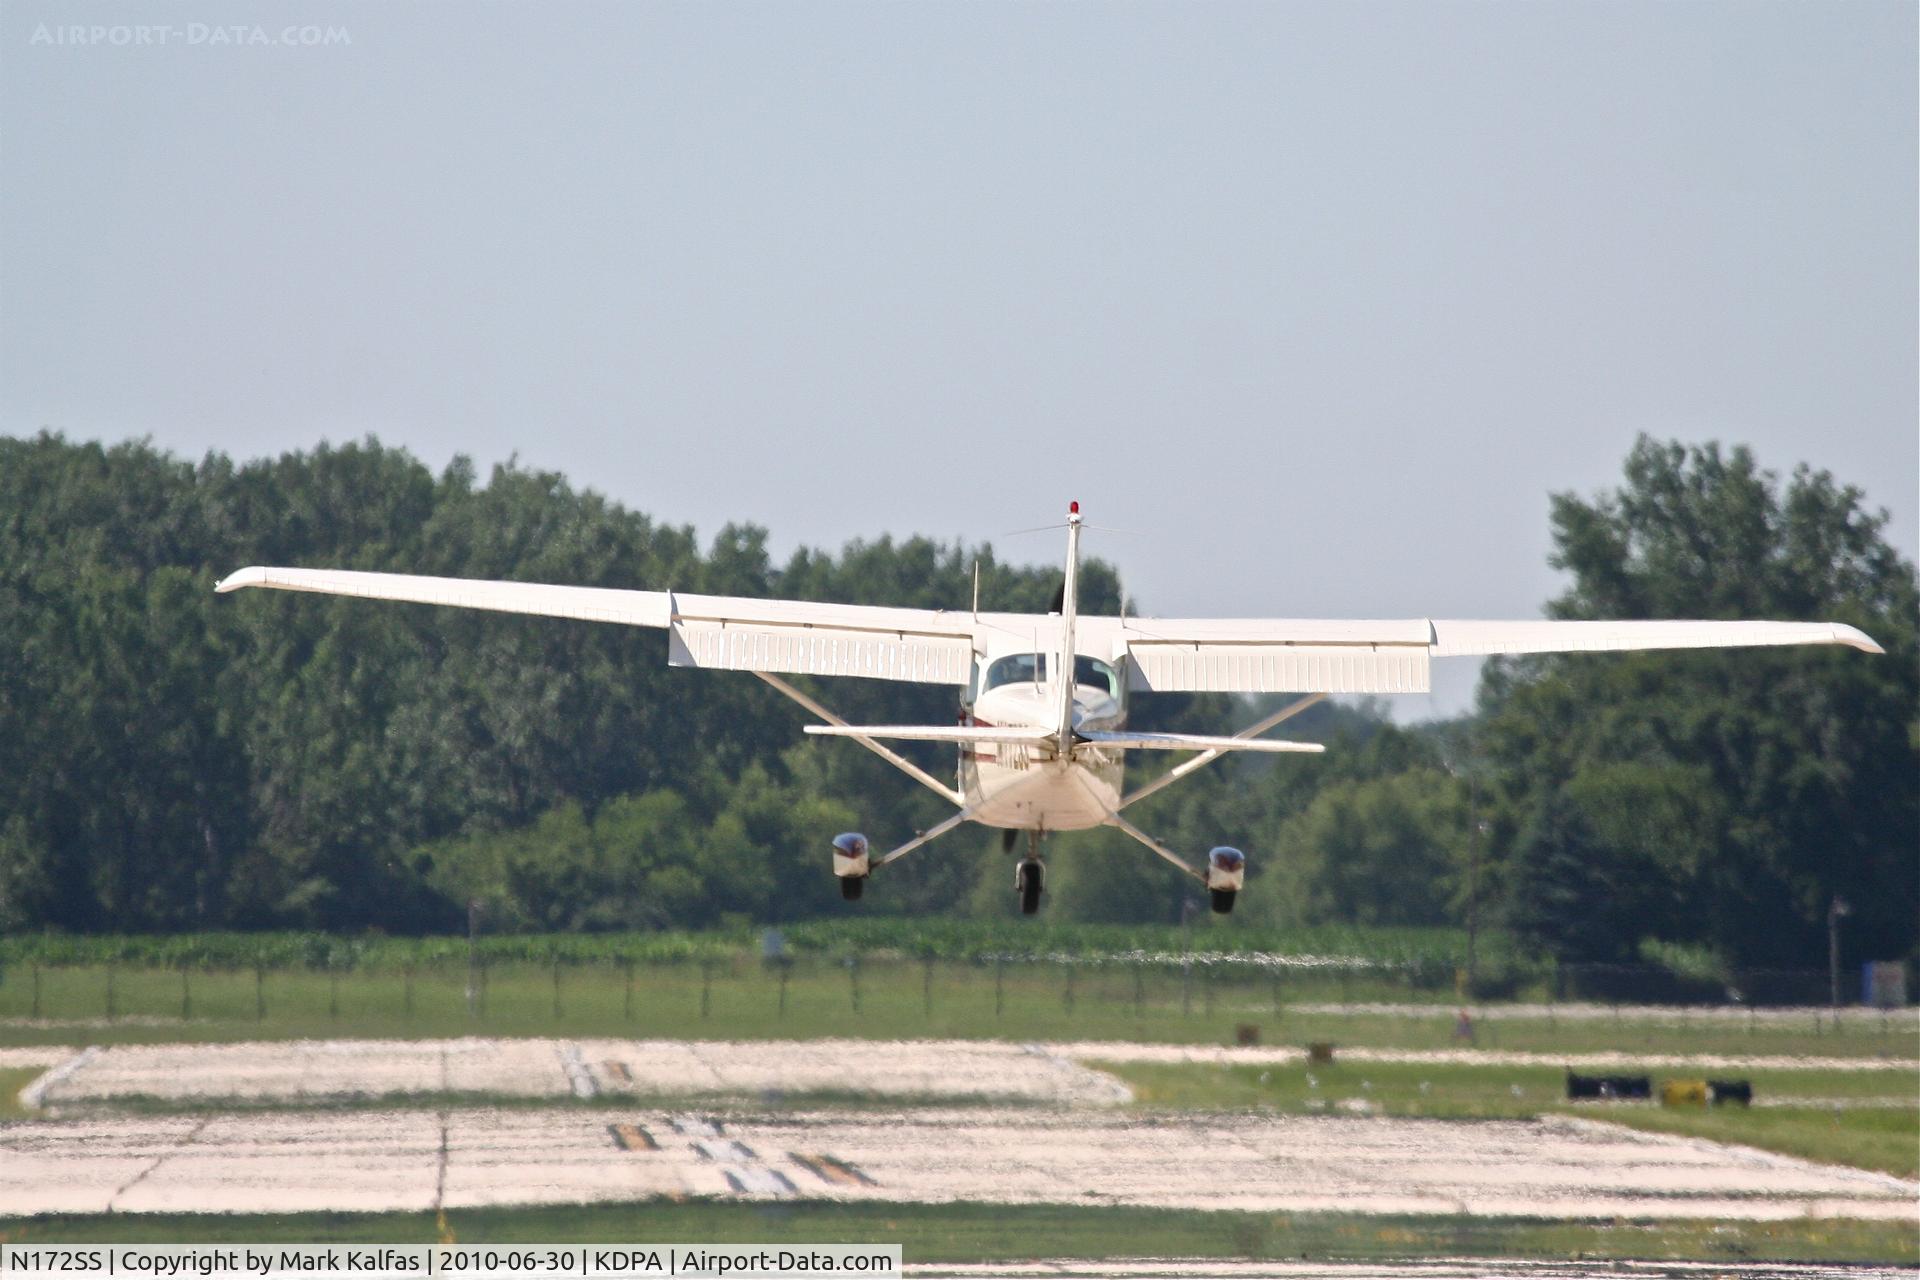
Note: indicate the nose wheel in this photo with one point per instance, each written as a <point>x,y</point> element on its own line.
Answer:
<point>1030,876</point>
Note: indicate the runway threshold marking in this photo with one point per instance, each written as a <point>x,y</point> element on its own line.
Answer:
<point>695,1126</point>
<point>832,1169</point>
<point>725,1150</point>
<point>631,1137</point>
<point>574,1065</point>
<point>759,1180</point>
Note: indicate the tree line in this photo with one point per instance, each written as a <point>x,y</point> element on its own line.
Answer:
<point>175,760</point>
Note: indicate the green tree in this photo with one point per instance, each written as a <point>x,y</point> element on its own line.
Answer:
<point>1785,776</point>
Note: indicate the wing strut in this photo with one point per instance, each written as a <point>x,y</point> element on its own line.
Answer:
<point>892,757</point>
<point>931,833</point>
<point>1172,776</point>
<point>1157,847</point>
<point>1115,820</point>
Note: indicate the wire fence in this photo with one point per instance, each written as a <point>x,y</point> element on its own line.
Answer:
<point>1197,997</point>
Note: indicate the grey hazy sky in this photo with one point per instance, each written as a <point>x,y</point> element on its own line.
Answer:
<point>1319,300</point>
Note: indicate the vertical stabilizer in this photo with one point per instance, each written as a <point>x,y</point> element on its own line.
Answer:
<point>1069,606</point>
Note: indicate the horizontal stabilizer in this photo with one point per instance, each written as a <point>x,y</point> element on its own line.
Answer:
<point>933,732</point>
<point>1194,742</point>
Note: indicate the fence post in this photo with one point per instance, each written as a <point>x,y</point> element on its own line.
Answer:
<point>706,987</point>
<point>853,980</point>
<point>408,987</point>
<point>186,994</point>
<point>786,967</point>
<point>999,984</point>
<point>556,987</point>
<point>36,989</point>
<point>483,990</point>
<point>1186,987</point>
<point>259,993</point>
<point>626,1008</point>
<point>1066,996</point>
<point>111,1010</point>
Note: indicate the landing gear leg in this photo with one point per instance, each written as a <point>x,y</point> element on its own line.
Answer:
<point>1029,878</point>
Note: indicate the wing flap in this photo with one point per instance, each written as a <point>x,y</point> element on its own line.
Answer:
<point>820,650</point>
<point>1286,667</point>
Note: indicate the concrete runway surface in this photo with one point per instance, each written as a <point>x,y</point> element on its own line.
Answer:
<point>1011,1124</point>
<point>418,1159</point>
<point>323,1070</point>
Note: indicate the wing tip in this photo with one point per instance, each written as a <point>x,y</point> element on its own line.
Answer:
<point>251,576</point>
<point>1856,638</point>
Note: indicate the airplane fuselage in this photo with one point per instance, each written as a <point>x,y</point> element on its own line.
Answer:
<point>1035,786</point>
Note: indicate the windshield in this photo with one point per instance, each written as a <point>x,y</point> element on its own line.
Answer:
<point>1016,667</point>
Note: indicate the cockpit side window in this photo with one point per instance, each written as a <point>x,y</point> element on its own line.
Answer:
<point>1096,674</point>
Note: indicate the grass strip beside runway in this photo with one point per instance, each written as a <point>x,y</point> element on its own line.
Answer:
<point>1885,1138</point>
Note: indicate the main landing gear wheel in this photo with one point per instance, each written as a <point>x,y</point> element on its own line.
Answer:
<point>1223,901</point>
<point>1028,879</point>
<point>850,887</point>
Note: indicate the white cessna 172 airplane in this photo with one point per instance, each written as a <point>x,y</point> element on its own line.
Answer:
<point>1041,749</point>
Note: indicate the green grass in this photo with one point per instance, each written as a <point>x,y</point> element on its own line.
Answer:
<point>1883,1138</point>
<point>12,1081</point>
<point>1886,1139</point>
<point>1430,953</point>
<point>900,998</point>
<point>1853,1033</point>
<point>956,1233</point>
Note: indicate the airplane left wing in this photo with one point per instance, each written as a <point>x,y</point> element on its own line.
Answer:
<point>734,633</point>
<point>1287,655</point>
